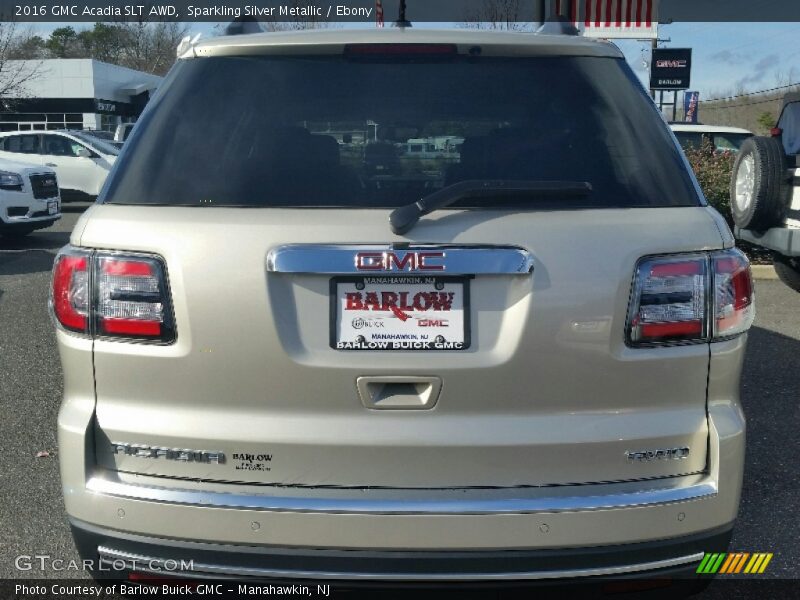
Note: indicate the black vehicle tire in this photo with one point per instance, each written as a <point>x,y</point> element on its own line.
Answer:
<point>759,186</point>
<point>788,270</point>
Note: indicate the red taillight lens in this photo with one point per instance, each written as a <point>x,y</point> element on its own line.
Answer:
<point>70,290</point>
<point>776,132</point>
<point>669,300</point>
<point>674,296</point>
<point>130,297</point>
<point>113,295</point>
<point>734,310</point>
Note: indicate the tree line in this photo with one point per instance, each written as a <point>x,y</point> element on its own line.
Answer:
<point>144,46</point>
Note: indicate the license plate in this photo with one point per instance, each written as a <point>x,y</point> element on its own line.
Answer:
<point>52,207</point>
<point>400,313</point>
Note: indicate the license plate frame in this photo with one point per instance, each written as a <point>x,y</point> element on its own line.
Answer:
<point>447,283</point>
<point>52,207</point>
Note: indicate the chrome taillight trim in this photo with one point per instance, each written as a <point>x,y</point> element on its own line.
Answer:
<point>342,259</point>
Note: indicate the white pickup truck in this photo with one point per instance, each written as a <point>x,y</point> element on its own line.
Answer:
<point>29,198</point>
<point>765,192</point>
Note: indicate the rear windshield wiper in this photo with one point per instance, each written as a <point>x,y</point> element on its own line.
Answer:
<point>404,218</point>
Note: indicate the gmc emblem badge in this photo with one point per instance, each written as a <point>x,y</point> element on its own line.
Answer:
<point>408,261</point>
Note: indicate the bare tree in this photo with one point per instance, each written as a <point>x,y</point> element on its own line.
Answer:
<point>150,45</point>
<point>296,23</point>
<point>27,45</point>
<point>497,14</point>
<point>15,75</point>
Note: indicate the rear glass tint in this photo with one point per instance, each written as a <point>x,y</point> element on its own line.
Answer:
<point>271,131</point>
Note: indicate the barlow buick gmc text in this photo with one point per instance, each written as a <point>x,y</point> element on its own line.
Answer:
<point>402,305</point>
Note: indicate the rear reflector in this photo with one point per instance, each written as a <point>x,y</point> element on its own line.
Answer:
<point>126,296</point>
<point>674,296</point>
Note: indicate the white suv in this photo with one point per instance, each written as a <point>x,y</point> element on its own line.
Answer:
<point>29,198</point>
<point>722,139</point>
<point>82,161</point>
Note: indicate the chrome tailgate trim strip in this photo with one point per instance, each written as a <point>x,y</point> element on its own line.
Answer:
<point>399,259</point>
<point>653,497</point>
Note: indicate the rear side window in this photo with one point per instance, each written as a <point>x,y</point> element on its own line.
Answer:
<point>55,145</point>
<point>272,131</point>
<point>23,144</point>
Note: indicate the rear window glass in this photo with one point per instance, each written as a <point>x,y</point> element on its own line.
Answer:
<point>24,144</point>
<point>273,131</point>
<point>730,142</point>
<point>690,140</point>
<point>790,123</point>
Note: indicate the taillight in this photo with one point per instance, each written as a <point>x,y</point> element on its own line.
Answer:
<point>116,295</point>
<point>690,298</point>
<point>733,294</point>
<point>70,293</point>
<point>776,132</point>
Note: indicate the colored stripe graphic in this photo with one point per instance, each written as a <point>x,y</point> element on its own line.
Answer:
<point>758,563</point>
<point>740,564</point>
<point>727,564</point>
<point>711,563</point>
<point>701,568</point>
<point>731,563</point>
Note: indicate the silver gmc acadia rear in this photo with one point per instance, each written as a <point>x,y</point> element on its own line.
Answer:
<point>402,305</point>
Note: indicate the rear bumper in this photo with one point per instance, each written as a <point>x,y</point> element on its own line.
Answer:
<point>783,240</point>
<point>118,552</point>
<point>28,223</point>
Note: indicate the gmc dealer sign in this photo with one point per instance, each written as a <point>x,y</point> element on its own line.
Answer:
<point>671,69</point>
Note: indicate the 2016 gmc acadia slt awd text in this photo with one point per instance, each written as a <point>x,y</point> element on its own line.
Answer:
<point>402,305</point>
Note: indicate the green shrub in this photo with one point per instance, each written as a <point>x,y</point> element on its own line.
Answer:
<point>713,171</point>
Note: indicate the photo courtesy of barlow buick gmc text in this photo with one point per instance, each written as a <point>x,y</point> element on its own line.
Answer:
<point>474,299</point>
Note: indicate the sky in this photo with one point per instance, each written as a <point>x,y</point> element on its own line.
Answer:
<point>727,57</point>
<point>730,57</point>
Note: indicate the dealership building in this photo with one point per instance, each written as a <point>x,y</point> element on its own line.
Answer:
<point>74,93</point>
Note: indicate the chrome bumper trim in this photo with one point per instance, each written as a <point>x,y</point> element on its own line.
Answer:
<point>205,499</point>
<point>151,564</point>
<point>345,259</point>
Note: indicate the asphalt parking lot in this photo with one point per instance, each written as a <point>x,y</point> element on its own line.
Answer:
<point>32,519</point>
